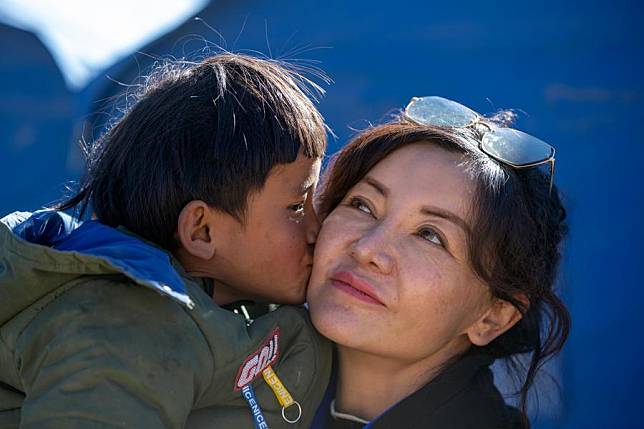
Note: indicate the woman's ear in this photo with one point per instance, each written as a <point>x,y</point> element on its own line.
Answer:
<point>195,230</point>
<point>500,317</point>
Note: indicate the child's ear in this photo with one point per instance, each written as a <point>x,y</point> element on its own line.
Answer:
<point>500,317</point>
<point>195,230</point>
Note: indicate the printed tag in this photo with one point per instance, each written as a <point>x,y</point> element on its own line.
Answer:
<point>283,396</point>
<point>254,364</point>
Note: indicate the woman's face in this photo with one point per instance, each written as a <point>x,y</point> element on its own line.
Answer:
<point>391,275</point>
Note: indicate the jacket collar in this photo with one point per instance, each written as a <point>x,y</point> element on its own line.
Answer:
<point>454,379</point>
<point>140,261</point>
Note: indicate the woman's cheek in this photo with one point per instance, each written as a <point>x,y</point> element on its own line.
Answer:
<point>338,227</point>
<point>327,238</point>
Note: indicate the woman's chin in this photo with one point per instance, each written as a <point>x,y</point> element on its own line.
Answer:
<point>339,323</point>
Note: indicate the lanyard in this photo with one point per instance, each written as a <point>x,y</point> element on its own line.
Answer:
<point>258,416</point>
<point>291,409</point>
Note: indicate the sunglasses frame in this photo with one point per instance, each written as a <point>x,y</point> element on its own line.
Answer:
<point>477,121</point>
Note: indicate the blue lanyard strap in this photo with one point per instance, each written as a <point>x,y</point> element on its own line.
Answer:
<point>258,416</point>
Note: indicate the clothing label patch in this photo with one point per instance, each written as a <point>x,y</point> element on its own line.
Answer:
<point>283,396</point>
<point>254,364</point>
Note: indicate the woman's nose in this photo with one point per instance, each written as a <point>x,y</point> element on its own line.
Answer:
<point>373,249</point>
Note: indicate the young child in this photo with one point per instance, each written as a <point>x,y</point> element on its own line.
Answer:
<point>201,197</point>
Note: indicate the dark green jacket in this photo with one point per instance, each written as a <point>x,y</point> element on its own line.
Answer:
<point>99,329</point>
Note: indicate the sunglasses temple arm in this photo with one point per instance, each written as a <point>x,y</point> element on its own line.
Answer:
<point>552,175</point>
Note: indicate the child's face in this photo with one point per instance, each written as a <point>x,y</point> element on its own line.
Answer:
<point>269,257</point>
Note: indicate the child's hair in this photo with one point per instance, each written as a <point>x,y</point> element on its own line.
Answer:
<point>209,131</point>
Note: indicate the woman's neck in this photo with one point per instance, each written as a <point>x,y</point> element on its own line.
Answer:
<point>369,384</point>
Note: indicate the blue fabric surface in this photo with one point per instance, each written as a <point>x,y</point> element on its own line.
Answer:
<point>45,227</point>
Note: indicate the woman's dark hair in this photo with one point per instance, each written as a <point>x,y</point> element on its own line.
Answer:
<point>518,228</point>
<point>210,130</point>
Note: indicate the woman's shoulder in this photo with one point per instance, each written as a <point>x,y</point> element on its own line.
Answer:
<point>480,404</point>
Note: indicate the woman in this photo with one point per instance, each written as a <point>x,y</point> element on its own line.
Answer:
<point>438,255</point>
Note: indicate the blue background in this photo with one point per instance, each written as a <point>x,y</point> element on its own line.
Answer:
<point>574,68</point>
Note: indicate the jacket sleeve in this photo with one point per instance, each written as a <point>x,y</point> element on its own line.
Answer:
<point>109,354</point>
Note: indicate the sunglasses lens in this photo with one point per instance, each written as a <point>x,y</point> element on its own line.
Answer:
<point>515,147</point>
<point>440,112</point>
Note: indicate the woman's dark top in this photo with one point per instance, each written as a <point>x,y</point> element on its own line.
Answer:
<point>463,396</point>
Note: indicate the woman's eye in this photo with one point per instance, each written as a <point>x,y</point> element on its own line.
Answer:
<point>357,203</point>
<point>431,235</point>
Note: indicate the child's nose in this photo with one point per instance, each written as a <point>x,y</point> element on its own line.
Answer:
<point>312,226</point>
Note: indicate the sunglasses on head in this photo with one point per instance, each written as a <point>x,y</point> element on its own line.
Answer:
<point>507,145</point>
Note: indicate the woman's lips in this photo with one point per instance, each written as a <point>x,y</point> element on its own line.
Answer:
<point>356,287</point>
